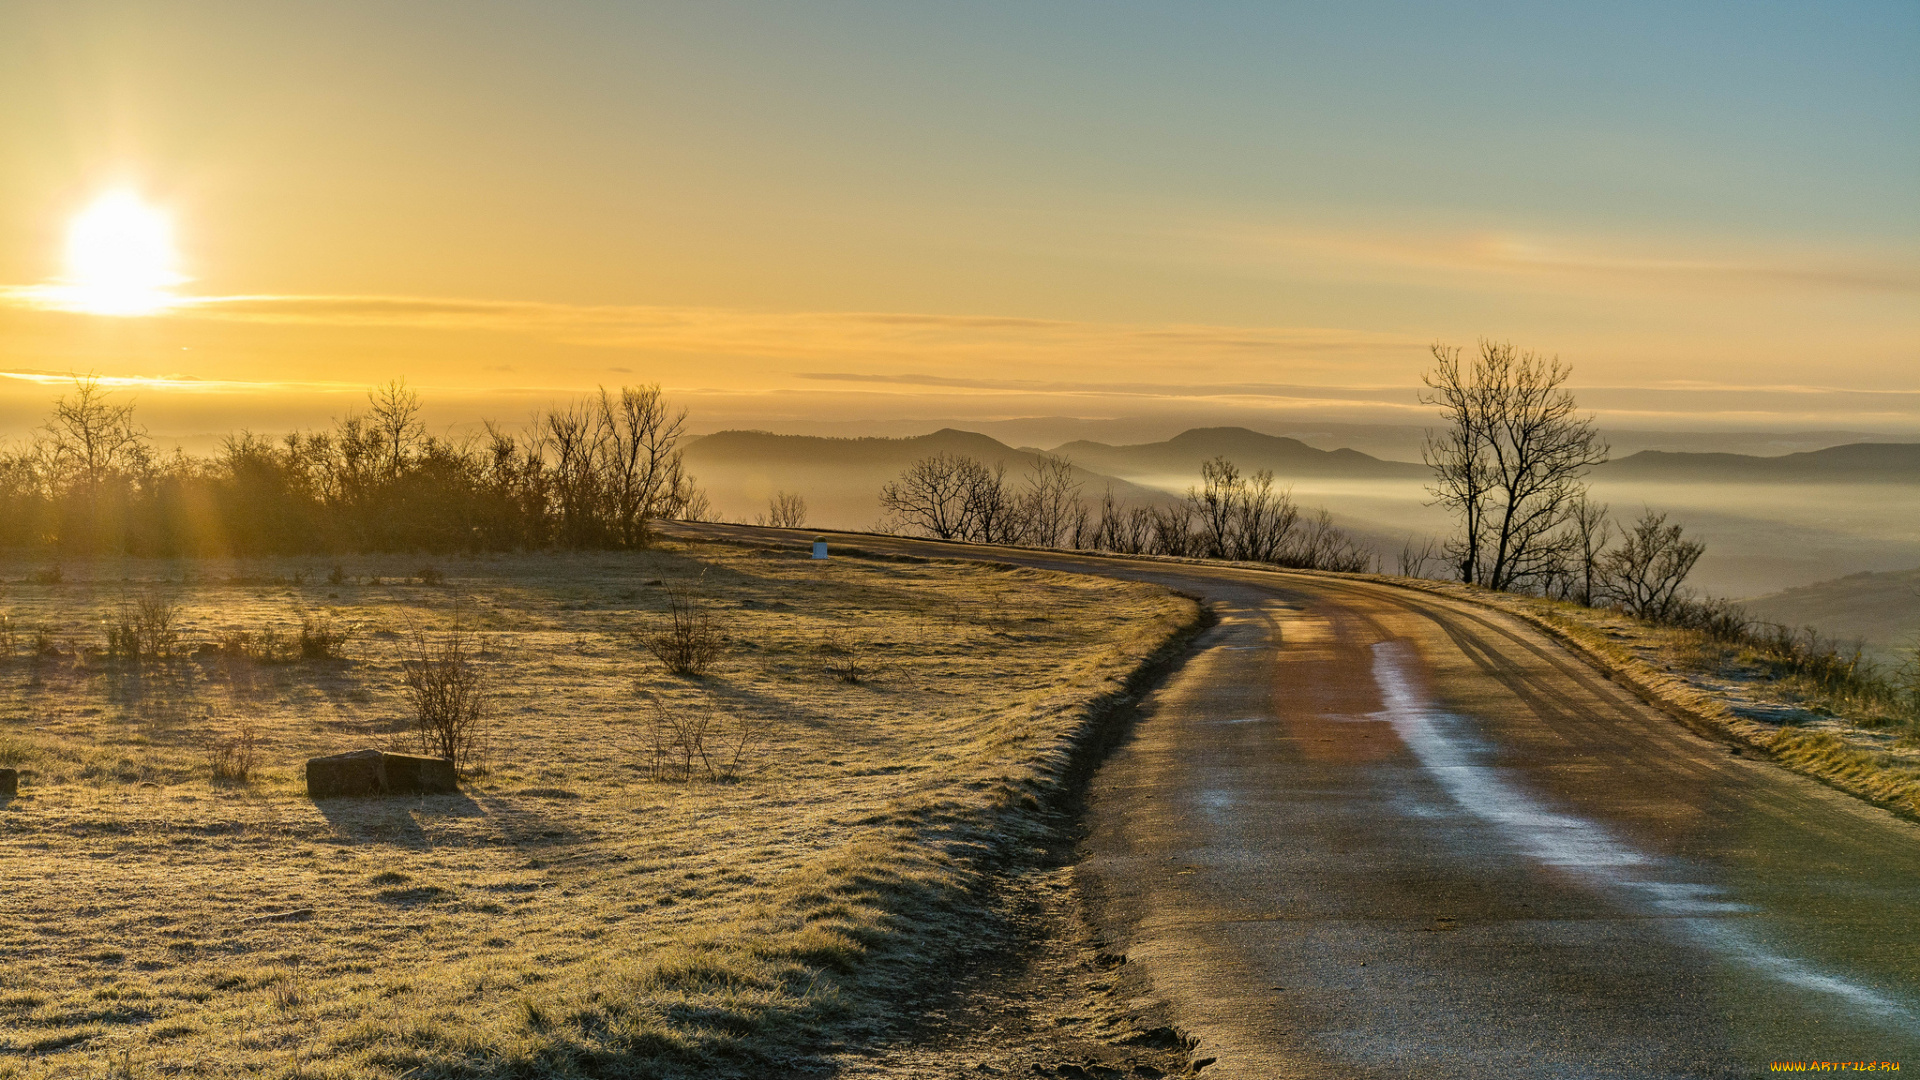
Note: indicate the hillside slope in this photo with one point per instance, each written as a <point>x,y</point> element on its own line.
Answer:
<point>1250,450</point>
<point>1880,609</point>
<point>1853,463</point>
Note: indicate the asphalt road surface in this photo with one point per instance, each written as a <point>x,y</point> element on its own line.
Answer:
<point>1368,832</point>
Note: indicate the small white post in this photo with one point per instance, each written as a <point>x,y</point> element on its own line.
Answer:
<point>819,547</point>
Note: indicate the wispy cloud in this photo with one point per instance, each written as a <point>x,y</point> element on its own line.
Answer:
<point>786,335</point>
<point>1507,259</point>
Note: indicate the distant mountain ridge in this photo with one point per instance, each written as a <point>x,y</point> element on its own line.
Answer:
<point>1250,450</point>
<point>841,478</point>
<point>1854,463</point>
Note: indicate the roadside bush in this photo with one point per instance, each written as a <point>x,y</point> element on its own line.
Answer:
<point>1644,573</point>
<point>691,640</point>
<point>449,696</point>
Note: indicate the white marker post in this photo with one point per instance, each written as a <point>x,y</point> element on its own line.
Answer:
<point>819,547</point>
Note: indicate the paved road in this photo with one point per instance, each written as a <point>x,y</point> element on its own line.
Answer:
<point>1368,832</point>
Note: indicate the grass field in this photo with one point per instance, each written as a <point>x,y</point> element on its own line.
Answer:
<point>567,913</point>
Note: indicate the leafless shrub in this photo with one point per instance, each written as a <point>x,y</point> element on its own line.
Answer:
<point>1643,575</point>
<point>448,695</point>
<point>234,759</point>
<point>44,644</point>
<point>1907,676</point>
<point>429,575</point>
<point>337,575</point>
<point>691,640</point>
<point>145,628</point>
<point>848,661</point>
<point>1414,557</point>
<point>9,637</point>
<point>686,742</point>
<point>322,637</point>
<point>785,510</point>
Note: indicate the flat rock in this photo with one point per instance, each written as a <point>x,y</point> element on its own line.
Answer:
<point>411,774</point>
<point>375,772</point>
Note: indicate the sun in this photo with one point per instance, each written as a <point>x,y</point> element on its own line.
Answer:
<point>120,258</point>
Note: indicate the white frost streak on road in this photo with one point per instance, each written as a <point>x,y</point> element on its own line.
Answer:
<point>1578,845</point>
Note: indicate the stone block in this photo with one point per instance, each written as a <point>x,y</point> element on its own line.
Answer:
<point>411,774</point>
<point>373,772</point>
<point>356,773</point>
<point>9,783</point>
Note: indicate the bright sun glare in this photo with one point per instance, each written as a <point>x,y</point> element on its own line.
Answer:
<point>120,258</point>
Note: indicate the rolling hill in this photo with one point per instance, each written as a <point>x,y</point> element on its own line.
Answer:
<point>1881,610</point>
<point>1852,463</point>
<point>1182,455</point>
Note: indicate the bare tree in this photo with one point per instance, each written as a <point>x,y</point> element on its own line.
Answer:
<point>91,438</point>
<point>1645,572</point>
<point>448,693</point>
<point>1213,506</point>
<point>1511,460</point>
<point>1050,502</point>
<point>638,444</point>
<point>933,496</point>
<point>395,427</point>
<point>1588,530</point>
<point>1241,517</point>
<point>785,510</point>
<point>993,517</point>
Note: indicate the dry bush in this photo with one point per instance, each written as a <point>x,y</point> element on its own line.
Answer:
<point>44,644</point>
<point>337,575</point>
<point>448,694</point>
<point>322,637</point>
<point>145,628</point>
<point>691,640</point>
<point>847,660</point>
<point>685,742</point>
<point>785,510</point>
<point>235,759</point>
<point>430,575</point>
<point>9,637</point>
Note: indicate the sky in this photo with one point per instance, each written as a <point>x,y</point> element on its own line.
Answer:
<point>861,212</point>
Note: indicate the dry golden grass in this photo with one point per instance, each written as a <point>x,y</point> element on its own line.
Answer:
<point>565,914</point>
<point>1853,745</point>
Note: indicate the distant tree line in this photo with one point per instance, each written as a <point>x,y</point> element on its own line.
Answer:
<point>1230,515</point>
<point>591,474</point>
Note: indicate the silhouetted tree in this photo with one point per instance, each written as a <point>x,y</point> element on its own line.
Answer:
<point>1510,462</point>
<point>1645,572</point>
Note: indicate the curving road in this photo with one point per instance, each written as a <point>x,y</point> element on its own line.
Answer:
<point>1364,831</point>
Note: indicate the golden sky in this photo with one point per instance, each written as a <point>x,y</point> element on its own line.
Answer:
<point>846,211</point>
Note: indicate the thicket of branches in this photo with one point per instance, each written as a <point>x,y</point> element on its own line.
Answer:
<point>1511,462</point>
<point>586,475</point>
<point>1231,515</point>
